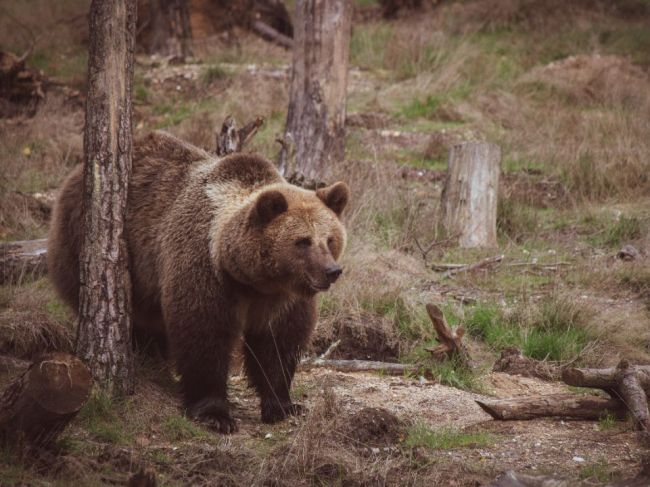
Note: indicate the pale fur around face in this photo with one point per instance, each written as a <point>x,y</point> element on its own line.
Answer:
<point>267,256</point>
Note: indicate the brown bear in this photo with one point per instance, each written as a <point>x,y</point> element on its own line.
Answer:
<point>220,250</point>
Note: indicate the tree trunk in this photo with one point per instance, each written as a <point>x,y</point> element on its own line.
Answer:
<point>563,405</point>
<point>104,328</point>
<point>170,28</point>
<point>469,199</point>
<point>41,402</point>
<point>314,137</point>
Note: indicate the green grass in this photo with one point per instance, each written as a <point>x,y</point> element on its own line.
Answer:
<point>178,427</point>
<point>599,471</point>
<point>213,73</point>
<point>516,221</point>
<point>102,417</point>
<point>420,435</point>
<point>614,232</point>
<point>555,329</point>
<point>607,422</point>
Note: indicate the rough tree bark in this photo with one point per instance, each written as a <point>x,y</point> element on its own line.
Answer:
<point>38,405</point>
<point>170,28</point>
<point>564,405</point>
<point>314,136</point>
<point>104,327</point>
<point>629,383</point>
<point>469,199</point>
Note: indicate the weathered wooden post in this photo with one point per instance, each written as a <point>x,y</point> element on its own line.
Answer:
<point>469,198</point>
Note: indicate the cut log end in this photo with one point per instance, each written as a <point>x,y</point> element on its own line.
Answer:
<point>39,404</point>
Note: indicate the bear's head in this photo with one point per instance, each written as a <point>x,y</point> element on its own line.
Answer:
<point>290,240</point>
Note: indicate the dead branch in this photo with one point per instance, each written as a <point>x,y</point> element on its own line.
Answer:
<point>452,269</point>
<point>358,366</point>
<point>629,383</point>
<point>562,405</point>
<point>229,139</point>
<point>268,33</point>
<point>451,346</point>
<point>432,245</point>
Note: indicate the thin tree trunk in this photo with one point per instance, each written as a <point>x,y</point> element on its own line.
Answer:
<point>314,136</point>
<point>104,328</point>
<point>469,199</point>
<point>170,28</point>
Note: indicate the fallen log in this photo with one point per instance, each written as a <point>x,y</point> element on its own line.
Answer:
<point>563,405</point>
<point>630,383</point>
<point>358,366</point>
<point>22,260</point>
<point>451,346</point>
<point>39,403</point>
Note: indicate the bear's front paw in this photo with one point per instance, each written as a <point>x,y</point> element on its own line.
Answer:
<point>215,414</point>
<point>272,412</point>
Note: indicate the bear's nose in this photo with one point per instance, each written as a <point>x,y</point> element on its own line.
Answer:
<point>333,272</point>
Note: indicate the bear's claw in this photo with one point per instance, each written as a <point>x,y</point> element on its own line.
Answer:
<point>214,414</point>
<point>274,412</point>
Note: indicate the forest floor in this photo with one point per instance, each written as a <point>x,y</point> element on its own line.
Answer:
<point>565,95</point>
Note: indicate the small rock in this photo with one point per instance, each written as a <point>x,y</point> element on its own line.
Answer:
<point>578,459</point>
<point>628,252</point>
<point>268,436</point>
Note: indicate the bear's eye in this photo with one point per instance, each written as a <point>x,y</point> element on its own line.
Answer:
<point>303,243</point>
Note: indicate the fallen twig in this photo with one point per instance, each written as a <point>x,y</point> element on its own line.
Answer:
<point>358,366</point>
<point>453,269</point>
<point>432,245</point>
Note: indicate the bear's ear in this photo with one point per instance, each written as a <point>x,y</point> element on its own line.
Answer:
<point>335,196</point>
<point>269,205</point>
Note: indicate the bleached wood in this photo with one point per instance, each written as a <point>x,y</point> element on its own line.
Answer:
<point>469,198</point>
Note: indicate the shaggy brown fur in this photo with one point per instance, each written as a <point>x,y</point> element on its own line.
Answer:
<point>219,250</point>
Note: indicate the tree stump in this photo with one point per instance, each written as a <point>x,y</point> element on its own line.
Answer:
<point>314,136</point>
<point>104,326</point>
<point>469,198</point>
<point>38,405</point>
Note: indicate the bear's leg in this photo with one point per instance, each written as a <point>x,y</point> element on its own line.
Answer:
<point>202,349</point>
<point>271,356</point>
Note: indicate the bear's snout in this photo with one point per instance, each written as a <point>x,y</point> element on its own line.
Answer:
<point>333,272</point>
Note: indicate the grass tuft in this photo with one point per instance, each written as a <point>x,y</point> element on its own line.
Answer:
<point>421,435</point>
